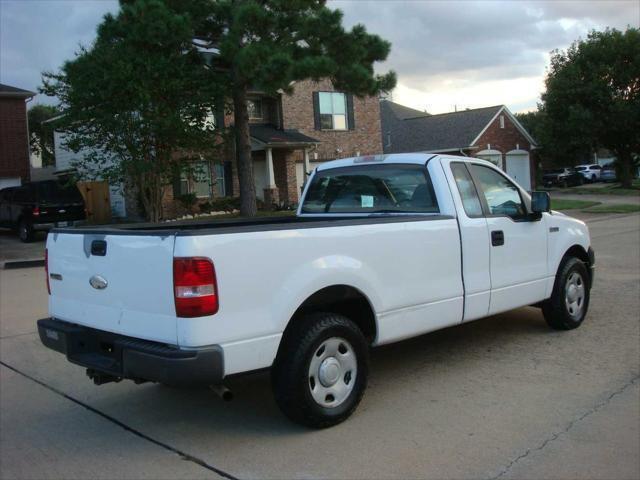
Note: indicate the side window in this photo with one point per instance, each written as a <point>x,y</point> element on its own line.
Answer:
<point>467,189</point>
<point>502,196</point>
<point>371,189</point>
<point>21,195</point>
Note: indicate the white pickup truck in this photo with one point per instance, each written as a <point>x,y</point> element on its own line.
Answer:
<point>383,248</point>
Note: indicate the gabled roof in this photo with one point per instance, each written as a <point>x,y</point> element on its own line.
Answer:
<point>270,135</point>
<point>446,131</point>
<point>14,92</point>
<point>399,112</point>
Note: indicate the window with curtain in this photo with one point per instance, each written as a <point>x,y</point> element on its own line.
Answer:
<point>219,187</point>
<point>333,110</point>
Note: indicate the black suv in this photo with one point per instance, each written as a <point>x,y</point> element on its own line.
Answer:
<point>40,206</point>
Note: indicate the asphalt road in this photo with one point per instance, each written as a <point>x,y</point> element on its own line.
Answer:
<point>503,397</point>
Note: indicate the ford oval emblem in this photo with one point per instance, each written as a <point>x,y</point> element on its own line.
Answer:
<point>98,282</point>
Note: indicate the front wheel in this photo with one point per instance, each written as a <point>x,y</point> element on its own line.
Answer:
<point>320,373</point>
<point>569,302</point>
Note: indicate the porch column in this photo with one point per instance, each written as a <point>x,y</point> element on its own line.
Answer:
<point>271,181</point>
<point>307,167</point>
<point>271,196</point>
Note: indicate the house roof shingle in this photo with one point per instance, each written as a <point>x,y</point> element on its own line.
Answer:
<point>400,111</point>
<point>446,131</point>
<point>272,136</point>
<point>9,91</point>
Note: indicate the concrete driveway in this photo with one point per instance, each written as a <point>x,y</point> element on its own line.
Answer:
<point>503,397</point>
<point>12,249</point>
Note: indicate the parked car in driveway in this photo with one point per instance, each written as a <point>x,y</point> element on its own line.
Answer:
<point>591,173</point>
<point>383,248</point>
<point>40,206</point>
<point>562,177</point>
<point>608,174</point>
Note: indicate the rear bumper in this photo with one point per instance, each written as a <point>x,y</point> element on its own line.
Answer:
<point>47,225</point>
<point>126,357</point>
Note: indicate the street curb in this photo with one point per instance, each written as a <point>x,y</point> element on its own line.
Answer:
<point>15,264</point>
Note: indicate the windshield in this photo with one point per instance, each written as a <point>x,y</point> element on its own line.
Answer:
<point>554,172</point>
<point>58,192</point>
<point>371,189</point>
<point>581,168</point>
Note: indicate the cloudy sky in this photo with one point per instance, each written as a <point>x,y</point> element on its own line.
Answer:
<point>446,53</point>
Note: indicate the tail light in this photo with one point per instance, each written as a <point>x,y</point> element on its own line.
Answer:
<point>46,269</point>
<point>194,287</point>
<point>35,212</point>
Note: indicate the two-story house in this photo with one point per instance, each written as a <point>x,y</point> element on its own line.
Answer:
<point>14,136</point>
<point>290,134</point>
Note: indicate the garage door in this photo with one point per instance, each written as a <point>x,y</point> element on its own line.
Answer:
<point>518,168</point>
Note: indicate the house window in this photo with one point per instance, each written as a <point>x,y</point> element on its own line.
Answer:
<point>219,186</point>
<point>254,106</point>
<point>501,121</point>
<point>197,181</point>
<point>333,111</point>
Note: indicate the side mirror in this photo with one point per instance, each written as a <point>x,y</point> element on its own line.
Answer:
<point>540,202</point>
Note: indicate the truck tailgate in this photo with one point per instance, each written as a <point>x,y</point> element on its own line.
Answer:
<point>128,289</point>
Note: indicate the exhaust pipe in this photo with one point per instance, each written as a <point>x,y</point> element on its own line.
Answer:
<point>223,392</point>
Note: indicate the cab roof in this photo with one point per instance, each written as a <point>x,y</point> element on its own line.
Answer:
<point>411,158</point>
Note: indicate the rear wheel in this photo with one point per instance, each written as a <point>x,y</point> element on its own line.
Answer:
<point>569,302</point>
<point>25,231</point>
<point>321,371</point>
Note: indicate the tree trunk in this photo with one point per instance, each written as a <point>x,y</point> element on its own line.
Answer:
<point>243,152</point>
<point>625,165</point>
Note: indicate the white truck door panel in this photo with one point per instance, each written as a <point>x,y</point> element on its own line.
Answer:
<point>474,234</point>
<point>518,250</point>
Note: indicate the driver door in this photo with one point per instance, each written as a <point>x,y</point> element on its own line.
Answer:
<point>518,251</point>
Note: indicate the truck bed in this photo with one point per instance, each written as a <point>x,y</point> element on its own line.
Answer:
<point>240,225</point>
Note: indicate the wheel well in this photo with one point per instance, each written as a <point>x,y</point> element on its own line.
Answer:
<point>578,252</point>
<point>344,300</point>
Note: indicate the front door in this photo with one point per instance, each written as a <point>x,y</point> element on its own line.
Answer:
<point>518,252</point>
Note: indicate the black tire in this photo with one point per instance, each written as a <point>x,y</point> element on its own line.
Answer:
<point>557,311</point>
<point>290,375</point>
<point>25,231</point>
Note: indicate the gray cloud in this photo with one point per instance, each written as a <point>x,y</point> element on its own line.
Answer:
<point>434,42</point>
<point>469,41</point>
<point>38,35</point>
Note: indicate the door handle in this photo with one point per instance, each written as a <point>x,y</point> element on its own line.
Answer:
<point>497,238</point>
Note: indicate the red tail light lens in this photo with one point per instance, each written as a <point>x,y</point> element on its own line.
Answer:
<point>35,212</point>
<point>194,287</point>
<point>46,269</point>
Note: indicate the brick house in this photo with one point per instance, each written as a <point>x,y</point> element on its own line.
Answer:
<point>14,136</point>
<point>290,134</point>
<point>491,133</point>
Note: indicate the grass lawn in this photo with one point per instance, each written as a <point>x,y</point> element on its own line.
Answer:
<point>609,189</point>
<point>614,208</point>
<point>561,204</point>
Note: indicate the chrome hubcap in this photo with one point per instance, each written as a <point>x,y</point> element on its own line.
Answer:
<point>332,372</point>
<point>575,295</point>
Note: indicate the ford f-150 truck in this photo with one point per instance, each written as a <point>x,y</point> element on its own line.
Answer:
<point>382,248</point>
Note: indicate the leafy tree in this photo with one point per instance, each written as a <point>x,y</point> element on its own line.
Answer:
<point>268,44</point>
<point>41,135</point>
<point>139,101</point>
<point>593,95</point>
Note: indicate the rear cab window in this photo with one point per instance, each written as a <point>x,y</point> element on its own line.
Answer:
<point>371,189</point>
